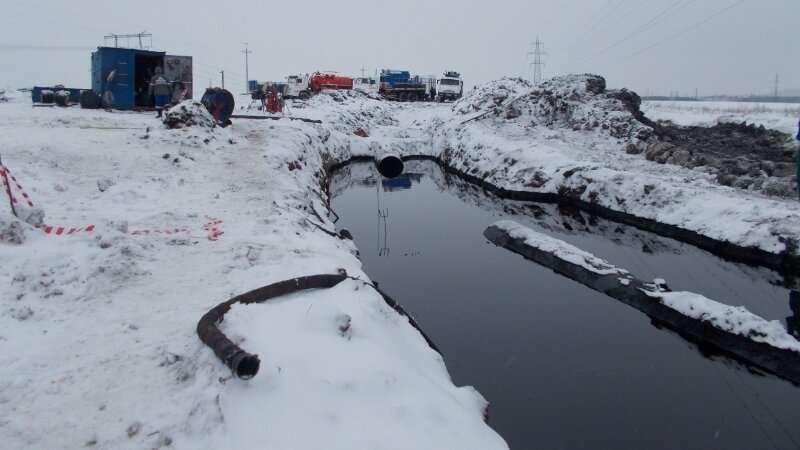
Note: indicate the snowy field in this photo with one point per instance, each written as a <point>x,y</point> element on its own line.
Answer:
<point>97,328</point>
<point>777,116</point>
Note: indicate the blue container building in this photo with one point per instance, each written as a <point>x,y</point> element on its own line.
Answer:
<point>121,76</point>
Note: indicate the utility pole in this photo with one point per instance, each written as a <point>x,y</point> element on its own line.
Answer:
<point>776,86</point>
<point>222,72</point>
<point>537,60</point>
<point>246,68</point>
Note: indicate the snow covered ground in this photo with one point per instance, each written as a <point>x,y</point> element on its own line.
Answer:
<point>97,329</point>
<point>777,116</point>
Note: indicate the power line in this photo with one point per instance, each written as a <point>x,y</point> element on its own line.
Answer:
<point>658,18</point>
<point>580,28</point>
<point>45,48</point>
<point>537,60</point>
<point>589,30</point>
<point>679,33</point>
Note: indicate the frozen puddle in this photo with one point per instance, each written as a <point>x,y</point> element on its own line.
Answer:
<point>562,365</point>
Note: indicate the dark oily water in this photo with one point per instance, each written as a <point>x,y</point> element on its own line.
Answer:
<point>564,366</point>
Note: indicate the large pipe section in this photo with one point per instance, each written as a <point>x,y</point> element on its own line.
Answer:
<point>389,164</point>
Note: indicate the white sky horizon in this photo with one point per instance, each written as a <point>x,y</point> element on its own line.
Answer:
<point>662,47</point>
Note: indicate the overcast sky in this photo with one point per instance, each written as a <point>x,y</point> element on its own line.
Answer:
<point>654,47</point>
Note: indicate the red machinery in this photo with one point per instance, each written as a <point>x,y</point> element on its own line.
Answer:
<point>323,81</point>
<point>272,98</point>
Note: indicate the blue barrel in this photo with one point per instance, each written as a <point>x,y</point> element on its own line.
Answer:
<point>252,85</point>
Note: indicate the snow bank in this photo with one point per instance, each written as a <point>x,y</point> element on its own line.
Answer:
<point>777,116</point>
<point>559,249</point>
<point>189,113</point>
<point>13,95</point>
<point>735,320</point>
<point>346,111</point>
<point>575,102</point>
<point>97,329</point>
<point>544,146</point>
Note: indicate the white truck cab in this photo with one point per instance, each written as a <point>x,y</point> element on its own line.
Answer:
<point>368,85</point>
<point>297,86</point>
<point>449,87</point>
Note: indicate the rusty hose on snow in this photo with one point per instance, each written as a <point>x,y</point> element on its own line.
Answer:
<point>245,365</point>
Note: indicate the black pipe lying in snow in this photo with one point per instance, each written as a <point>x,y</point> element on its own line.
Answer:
<point>245,365</point>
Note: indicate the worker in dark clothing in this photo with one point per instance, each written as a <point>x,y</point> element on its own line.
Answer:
<point>161,89</point>
<point>797,160</point>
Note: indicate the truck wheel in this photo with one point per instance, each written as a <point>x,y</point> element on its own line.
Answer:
<point>303,95</point>
<point>412,96</point>
<point>402,96</point>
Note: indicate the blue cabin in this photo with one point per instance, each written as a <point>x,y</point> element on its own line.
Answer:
<point>121,76</point>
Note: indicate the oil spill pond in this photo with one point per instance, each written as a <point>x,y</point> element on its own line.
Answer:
<point>564,366</point>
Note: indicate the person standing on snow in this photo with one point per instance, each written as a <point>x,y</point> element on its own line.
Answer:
<point>797,160</point>
<point>161,89</point>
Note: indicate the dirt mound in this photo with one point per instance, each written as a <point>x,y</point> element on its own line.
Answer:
<point>189,113</point>
<point>741,155</point>
<point>350,110</point>
<point>575,102</point>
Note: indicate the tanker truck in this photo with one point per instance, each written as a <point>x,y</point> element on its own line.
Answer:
<point>304,86</point>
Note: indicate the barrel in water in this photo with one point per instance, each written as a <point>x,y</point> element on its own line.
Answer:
<point>219,103</point>
<point>389,165</point>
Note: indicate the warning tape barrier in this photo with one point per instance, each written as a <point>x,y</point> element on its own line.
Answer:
<point>146,232</point>
<point>214,233</point>
<point>5,172</point>
<point>58,231</point>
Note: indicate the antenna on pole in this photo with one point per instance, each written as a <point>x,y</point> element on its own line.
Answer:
<point>537,60</point>
<point>363,69</point>
<point>246,68</point>
<point>128,37</point>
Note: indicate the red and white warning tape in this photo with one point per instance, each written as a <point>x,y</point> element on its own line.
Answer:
<point>58,231</point>
<point>146,232</point>
<point>4,172</point>
<point>214,232</point>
